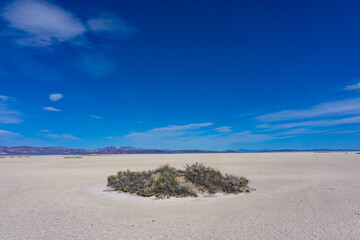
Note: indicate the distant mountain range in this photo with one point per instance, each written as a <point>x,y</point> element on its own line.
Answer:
<point>26,150</point>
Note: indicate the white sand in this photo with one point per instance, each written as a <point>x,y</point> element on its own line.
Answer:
<point>299,196</point>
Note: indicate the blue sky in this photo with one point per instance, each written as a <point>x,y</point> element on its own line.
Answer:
<point>180,74</point>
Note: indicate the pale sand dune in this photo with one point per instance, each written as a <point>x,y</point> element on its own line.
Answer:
<point>299,196</point>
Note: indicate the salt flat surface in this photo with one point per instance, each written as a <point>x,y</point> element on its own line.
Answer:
<point>107,192</point>
<point>298,196</point>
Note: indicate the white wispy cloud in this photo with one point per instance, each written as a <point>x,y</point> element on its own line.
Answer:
<point>166,132</point>
<point>96,117</point>
<point>298,131</point>
<point>8,116</point>
<point>45,131</point>
<point>51,109</point>
<point>7,137</point>
<point>225,129</point>
<point>346,132</point>
<point>182,127</point>
<point>43,23</point>
<point>6,98</point>
<point>192,136</point>
<point>244,136</point>
<point>172,130</point>
<point>335,108</point>
<point>315,123</point>
<point>194,139</point>
<point>64,136</point>
<point>213,141</point>
<point>109,23</point>
<point>8,134</point>
<point>353,87</point>
<point>55,97</point>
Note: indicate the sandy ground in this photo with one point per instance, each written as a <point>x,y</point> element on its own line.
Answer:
<point>299,196</point>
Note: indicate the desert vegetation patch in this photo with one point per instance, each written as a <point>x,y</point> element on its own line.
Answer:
<point>166,181</point>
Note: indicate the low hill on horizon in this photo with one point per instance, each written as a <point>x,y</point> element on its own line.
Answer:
<point>29,150</point>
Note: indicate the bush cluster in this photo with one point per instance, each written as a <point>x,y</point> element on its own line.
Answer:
<point>167,181</point>
<point>213,181</point>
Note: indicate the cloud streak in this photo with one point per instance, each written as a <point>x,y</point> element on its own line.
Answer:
<point>55,97</point>
<point>353,87</point>
<point>5,98</point>
<point>7,137</point>
<point>342,107</point>
<point>8,116</point>
<point>192,136</point>
<point>315,123</point>
<point>64,136</point>
<point>8,134</point>
<point>96,117</point>
<point>172,130</point>
<point>110,24</point>
<point>43,24</point>
<point>51,109</point>
<point>225,129</point>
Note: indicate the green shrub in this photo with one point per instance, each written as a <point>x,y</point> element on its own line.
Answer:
<point>167,181</point>
<point>204,176</point>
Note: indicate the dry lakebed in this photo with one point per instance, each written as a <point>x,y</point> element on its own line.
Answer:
<point>298,196</point>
